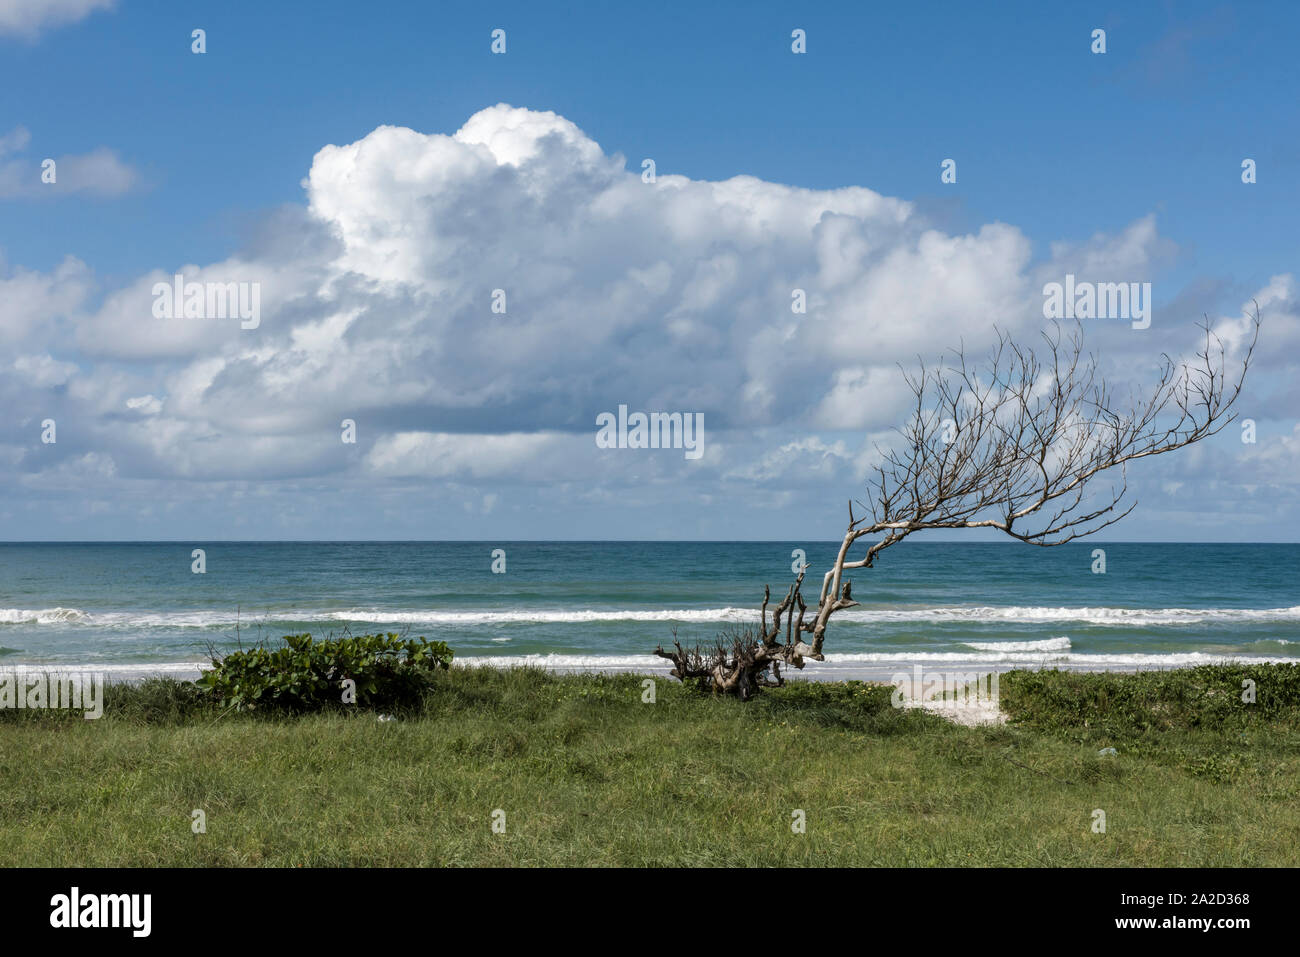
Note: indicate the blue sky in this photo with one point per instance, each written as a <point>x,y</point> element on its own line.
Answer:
<point>1131,157</point>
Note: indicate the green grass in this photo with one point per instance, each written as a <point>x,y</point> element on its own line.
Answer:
<point>587,774</point>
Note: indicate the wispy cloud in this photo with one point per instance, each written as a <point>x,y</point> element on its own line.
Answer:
<point>29,18</point>
<point>101,172</point>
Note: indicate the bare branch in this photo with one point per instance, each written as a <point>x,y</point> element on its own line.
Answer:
<point>1014,445</point>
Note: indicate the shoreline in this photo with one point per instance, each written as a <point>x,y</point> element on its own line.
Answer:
<point>876,668</point>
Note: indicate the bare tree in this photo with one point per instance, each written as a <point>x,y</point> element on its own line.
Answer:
<point>1014,445</point>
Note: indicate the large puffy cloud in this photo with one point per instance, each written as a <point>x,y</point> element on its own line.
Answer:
<point>674,295</point>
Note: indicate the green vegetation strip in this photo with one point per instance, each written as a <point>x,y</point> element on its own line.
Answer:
<point>585,772</point>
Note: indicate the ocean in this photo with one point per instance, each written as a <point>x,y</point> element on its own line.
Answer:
<point>133,609</point>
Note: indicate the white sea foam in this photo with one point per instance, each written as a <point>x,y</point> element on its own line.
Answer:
<point>884,663</point>
<point>1122,617</point>
<point>43,616</point>
<point>864,665</point>
<point>542,615</point>
<point>975,614</point>
<point>972,614</point>
<point>118,671</point>
<point>1047,644</point>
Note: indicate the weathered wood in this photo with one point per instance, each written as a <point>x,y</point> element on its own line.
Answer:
<point>1012,446</point>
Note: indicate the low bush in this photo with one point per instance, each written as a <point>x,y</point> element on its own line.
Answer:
<point>1211,697</point>
<point>378,671</point>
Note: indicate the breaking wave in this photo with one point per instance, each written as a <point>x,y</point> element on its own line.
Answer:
<point>1047,644</point>
<point>972,614</point>
<point>44,616</point>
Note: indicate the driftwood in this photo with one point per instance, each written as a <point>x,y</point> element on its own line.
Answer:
<point>1012,446</point>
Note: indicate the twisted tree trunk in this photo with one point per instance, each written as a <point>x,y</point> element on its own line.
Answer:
<point>1014,447</point>
<point>741,663</point>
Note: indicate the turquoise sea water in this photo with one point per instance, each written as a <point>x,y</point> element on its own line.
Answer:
<point>137,608</point>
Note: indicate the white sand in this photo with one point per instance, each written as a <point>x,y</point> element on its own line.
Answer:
<point>972,714</point>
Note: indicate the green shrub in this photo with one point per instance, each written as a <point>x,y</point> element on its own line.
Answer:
<point>1207,697</point>
<point>307,675</point>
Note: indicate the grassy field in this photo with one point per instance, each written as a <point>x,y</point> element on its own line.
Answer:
<point>588,774</point>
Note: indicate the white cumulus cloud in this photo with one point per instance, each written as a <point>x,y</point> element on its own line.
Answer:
<point>377,304</point>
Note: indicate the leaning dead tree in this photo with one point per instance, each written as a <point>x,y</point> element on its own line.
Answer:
<point>1014,445</point>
